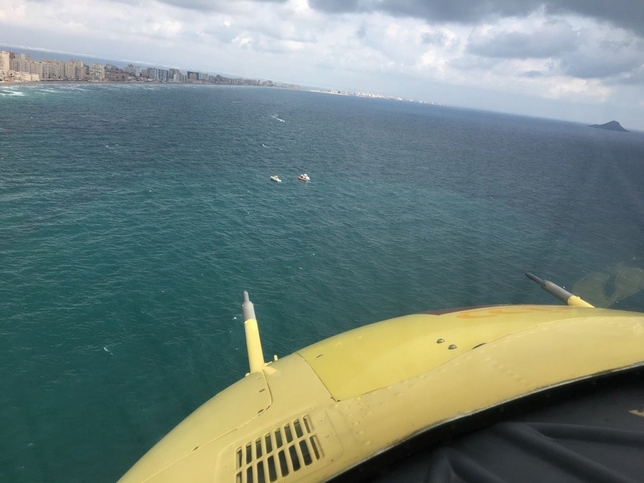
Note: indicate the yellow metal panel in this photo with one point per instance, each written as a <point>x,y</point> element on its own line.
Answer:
<point>290,391</point>
<point>240,403</point>
<point>197,467</point>
<point>298,394</point>
<point>381,354</point>
<point>511,367</point>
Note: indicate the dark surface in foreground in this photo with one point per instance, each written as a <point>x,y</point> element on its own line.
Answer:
<point>588,431</point>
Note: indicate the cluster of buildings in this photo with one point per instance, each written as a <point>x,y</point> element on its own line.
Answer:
<point>18,67</point>
<point>372,96</point>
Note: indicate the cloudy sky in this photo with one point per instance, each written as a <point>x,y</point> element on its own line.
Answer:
<point>580,60</point>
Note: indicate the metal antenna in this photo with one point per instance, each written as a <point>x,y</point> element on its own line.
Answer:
<point>559,292</point>
<point>253,342</point>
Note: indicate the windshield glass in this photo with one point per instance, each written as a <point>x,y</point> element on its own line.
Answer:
<point>344,162</point>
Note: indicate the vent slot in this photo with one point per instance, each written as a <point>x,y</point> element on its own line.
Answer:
<point>315,444</point>
<point>260,473</point>
<point>298,428</point>
<point>285,450</point>
<point>272,469</point>
<point>287,433</point>
<point>307,424</point>
<point>283,464</point>
<point>249,453</point>
<point>306,454</point>
<point>269,443</point>
<point>295,461</point>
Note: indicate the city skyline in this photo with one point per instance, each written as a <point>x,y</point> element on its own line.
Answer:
<point>20,67</point>
<point>557,59</point>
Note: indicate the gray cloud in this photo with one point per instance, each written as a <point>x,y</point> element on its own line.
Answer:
<point>221,33</point>
<point>628,14</point>
<point>437,38</point>
<point>339,6</point>
<point>585,54</point>
<point>473,63</point>
<point>361,32</point>
<point>207,5</point>
<point>636,77</point>
<point>552,39</point>
<point>126,2</point>
<point>460,11</point>
<point>464,11</point>
<point>587,68</point>
<point>605,58</point>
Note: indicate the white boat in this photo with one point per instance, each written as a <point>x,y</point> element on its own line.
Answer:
<point>304,177</point>
<point>276,178</point>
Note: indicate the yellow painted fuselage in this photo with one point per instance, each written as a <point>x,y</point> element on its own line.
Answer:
<point>328,407</point>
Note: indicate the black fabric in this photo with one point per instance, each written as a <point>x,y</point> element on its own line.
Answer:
<point>589,432</point>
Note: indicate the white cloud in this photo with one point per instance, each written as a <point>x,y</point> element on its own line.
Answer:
<point>574,89</point>
<point>12,10</point>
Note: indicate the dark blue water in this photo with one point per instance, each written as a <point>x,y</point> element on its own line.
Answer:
<point>132,218</point>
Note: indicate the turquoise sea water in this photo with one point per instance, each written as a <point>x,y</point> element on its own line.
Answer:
<point>133,217</point>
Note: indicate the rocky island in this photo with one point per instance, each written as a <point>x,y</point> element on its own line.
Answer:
<point>611,126</point>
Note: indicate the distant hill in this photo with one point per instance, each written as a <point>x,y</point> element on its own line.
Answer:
<point>611,126</point>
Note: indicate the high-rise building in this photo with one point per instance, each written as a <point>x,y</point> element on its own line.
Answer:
<point>37,68</point>
<point>74,70</point>
<point>51,69</point>
<point>97,72</point>
<point>5,59</point>
<point>174,75</point>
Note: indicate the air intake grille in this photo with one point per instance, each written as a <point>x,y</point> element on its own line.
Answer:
<point>278,453</point>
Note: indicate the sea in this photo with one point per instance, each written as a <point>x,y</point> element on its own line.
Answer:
<point>133,217</point>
